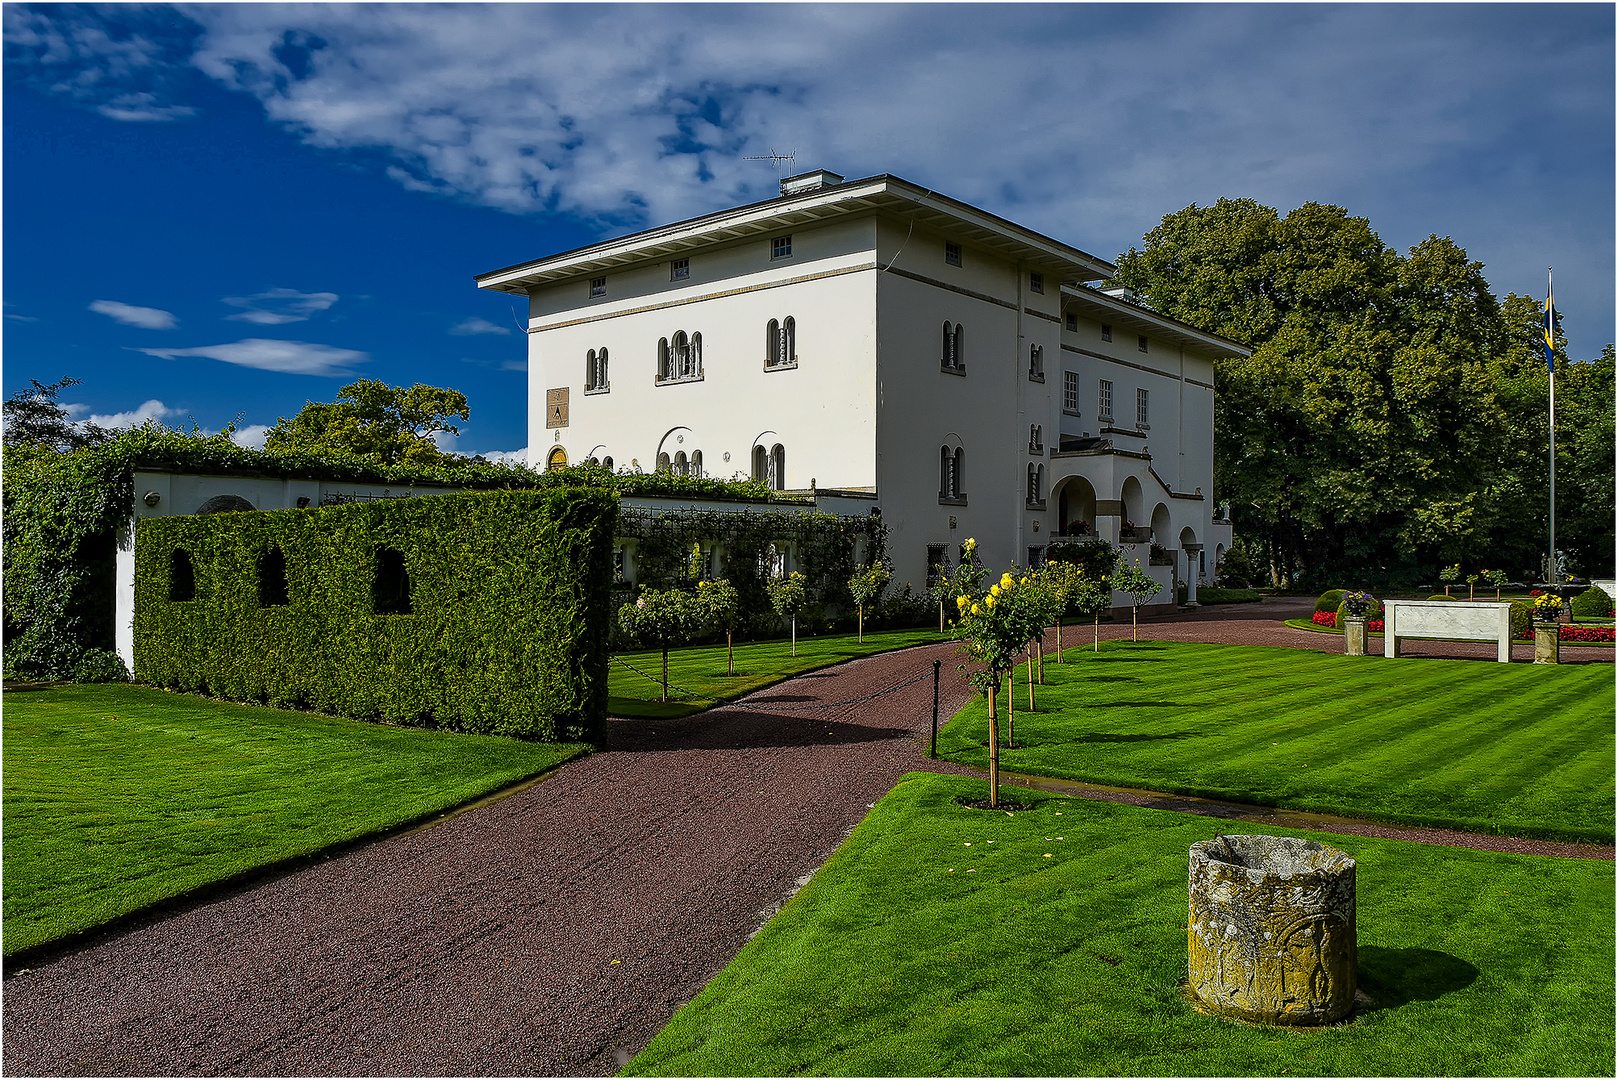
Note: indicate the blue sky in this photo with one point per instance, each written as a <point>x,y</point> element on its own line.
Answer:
<point>215,211</point>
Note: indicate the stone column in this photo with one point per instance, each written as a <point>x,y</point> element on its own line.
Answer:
<point>1271,929</point>
<point>1191,553</point>
<point>1356,632</point>
<point>1547,643</point>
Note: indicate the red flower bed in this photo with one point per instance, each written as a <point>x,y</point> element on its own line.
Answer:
<point>1329,618</point>
<point>1586,633</point>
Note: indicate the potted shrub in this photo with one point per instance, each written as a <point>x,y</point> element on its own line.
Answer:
<point>1547,631</point>
<point>1357,608</point>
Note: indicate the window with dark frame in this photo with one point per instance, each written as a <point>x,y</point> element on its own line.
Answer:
<point>1036,363</point>
<point>1141,416</point>
<point>598,287</point>
<point>679,269</point>
<point>952,253</point>
<point>1070,392</point>
<point>1072,321</point>
<point>1106,332</point>
<point>1104,401</point>
<point>781,247</point>
<point>1141,345</point>
<point>1036,282</point>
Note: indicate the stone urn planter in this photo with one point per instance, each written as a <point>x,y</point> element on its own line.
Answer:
<point>1271,929</point>
<point>1356,633</point>
<point>1547,643</point>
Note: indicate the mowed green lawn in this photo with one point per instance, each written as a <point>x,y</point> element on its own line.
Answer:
<point>701,669</point>
<point>117,797</point>
<point>943,941</point>
<point>1515,749</point>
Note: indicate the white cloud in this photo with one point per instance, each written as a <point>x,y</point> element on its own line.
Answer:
<point>75,53</point>
<point>250,437</point>
<point>506,457</point>
<point>279,306</point>
<point>146,318</point>
<point>475,325</point>
<point>290,357</point>
<point>148,410</point>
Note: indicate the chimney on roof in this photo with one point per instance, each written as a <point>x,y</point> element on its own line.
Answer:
<point>809,181</point>
<point>1119,292</point>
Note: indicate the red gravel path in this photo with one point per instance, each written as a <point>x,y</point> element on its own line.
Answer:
<point>552,932</point>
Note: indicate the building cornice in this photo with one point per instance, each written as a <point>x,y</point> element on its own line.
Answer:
<point>1096,304</point>
<point>886,195</point>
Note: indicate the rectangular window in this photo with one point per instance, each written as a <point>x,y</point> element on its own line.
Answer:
<point>1106,332</point>
<point>1072,322</point>
<point>1036,282</point>
<point>1070,392</point>
<point>1142,343</point>
<point>598,286</point>
<point>952,253</point>
<point>679,269</point>
<point>1104,401</point>
<point>781,247</point>
<point>1140,409</point>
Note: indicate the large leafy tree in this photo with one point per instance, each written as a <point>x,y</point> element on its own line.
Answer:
<point>33,417</point>
<point>1382,424</point>
<point>375,422</point>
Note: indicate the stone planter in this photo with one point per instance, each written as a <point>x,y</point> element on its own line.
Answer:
<point>1547,643</point>
<point>1271,929</point>
<point>1356,634</point>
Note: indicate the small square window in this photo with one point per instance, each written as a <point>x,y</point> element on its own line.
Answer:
<point>598,286</point>
<point>1141,345</point>
<point>781,247</point>
<point>1036,282</point>
<point>1072,322</point>
<point>679,269</point>
<point>952,253</point>
<point>1106,332</point>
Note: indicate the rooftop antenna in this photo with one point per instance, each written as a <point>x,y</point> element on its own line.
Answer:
<point>778,159</point>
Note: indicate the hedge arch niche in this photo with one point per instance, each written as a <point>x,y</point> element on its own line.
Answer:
<point>483,612</point>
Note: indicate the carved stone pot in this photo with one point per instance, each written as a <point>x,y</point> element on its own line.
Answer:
<point>1271,929</point>
<point>1547,643</point>
<point>1355,634</point>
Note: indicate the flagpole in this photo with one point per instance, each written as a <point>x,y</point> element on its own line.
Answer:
<point>1550,345</point>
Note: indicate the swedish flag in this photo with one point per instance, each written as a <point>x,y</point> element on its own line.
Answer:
<point>1552,318</point>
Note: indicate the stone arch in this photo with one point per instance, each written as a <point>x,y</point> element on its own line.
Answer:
<point>1134,500</point>
<point>1162,526</point>
<point>225,504</point>
<point>1075,507</point>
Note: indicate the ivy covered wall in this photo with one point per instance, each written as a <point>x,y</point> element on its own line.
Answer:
<point>481,612</point>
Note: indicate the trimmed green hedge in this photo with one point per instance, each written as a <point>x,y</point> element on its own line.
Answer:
<point>1329,600</point>
<point>499,624</point>
<point>1592,603</point>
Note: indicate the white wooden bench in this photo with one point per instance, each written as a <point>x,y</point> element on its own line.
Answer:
<point>1470,621</point>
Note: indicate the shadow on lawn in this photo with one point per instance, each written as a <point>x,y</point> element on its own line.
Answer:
<point>1395,977</point>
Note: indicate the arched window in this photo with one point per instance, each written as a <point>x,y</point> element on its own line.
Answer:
<point>761,463</point>
<point>696,463</point>
<point>182,578</point>
<point>663,464</point>
<point>778,467</point>
<point>1036,483</point>
<point>960,473</point>
<point>950,462</point>
<point>272,578</point>
<point>680,466</point>
<point>556,459</point>
<point>663,358</point>
<point>390,588</point>
<point>781,345</point>
<point>1036,363</point>
<point>595,370</point>
<point>679,354</point>
<point>606,462</point>
<point>694,358</point>
<point>1036,439</point>
<point>952,358</point>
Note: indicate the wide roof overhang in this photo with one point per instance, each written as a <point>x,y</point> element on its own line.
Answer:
<point>885,195</point>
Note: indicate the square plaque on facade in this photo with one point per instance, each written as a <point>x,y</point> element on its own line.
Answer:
<point>556,408</point>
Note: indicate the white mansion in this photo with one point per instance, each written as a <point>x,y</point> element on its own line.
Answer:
<point>893,345</point>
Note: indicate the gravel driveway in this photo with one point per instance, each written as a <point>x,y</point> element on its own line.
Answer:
<point>551,932</point>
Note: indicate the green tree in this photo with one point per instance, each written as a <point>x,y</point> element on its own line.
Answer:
<point>34,418</point>
<point>1141,587</point>
<point>661,619</point>
<point>375,422</point>
<point>788,596</point>
<point>724,609</point>
<point>1369,426</point>
<point>866,587</point>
